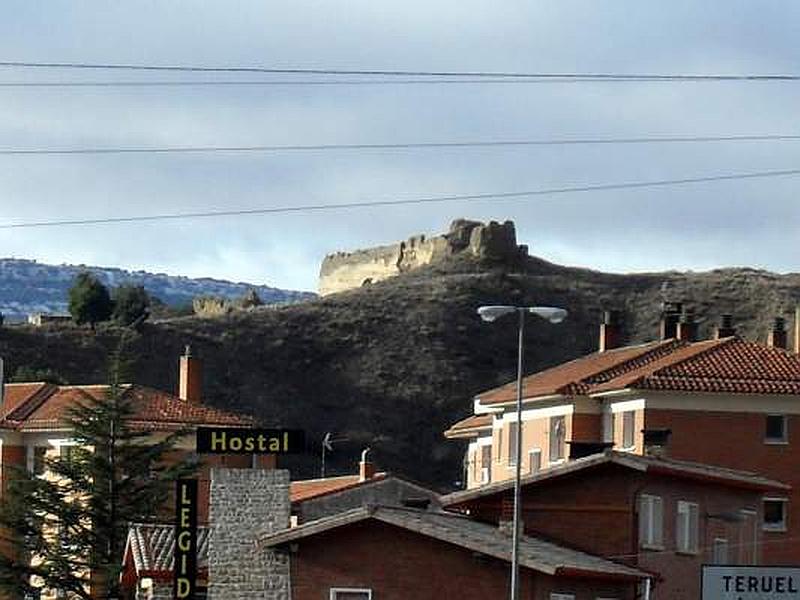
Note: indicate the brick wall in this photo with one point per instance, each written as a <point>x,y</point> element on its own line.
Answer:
<point>736,440</point>
<point>245,502</point>
<point>397,564</point>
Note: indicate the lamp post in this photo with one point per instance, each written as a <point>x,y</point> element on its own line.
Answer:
<point>489,314</point>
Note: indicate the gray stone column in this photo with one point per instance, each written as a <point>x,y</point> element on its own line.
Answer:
<point>244,503</point>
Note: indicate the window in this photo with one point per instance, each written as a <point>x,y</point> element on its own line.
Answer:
<point>775,431</point>
<point>775,514</point>
<point>651,521</point>
<point>512,443</point>
<point>350,594</point>
<point>66,452</point>
<point>558,437</point>
<point>686,527</point>
<point>534,460</point>
<point>719,551</point>
<point>558,596</point>
<point>486,464</point>
<point>628,428</point>
<point>748,538</point>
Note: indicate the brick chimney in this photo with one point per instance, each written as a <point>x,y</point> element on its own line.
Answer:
<point>190,377</point>
<point>670,315</point>
<point>777,337</point>
<point>610,334</point>
<point>725,327</point>
<point>366,469</point>
<point>686,329</point>
<point>797,330</point>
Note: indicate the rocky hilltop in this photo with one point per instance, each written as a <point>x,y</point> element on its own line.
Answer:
<point>27,286</point>
<point>392,364</point>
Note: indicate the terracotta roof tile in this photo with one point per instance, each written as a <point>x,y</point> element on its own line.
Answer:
<point>312,488</point>
<point>46,406</point>
<point>469,427</point>
<point>729,365</point>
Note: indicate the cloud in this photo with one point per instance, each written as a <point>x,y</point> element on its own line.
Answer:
<point>696,226</point>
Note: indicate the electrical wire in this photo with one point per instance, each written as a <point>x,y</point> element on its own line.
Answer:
<point>400,73</point>
<point>402,146</point>
<point>408,201</point>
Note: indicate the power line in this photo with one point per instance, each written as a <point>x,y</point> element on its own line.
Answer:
<point>399,73</point>
<point>401,202</point>
<point>400,146</point>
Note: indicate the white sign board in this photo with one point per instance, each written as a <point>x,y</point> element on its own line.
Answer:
<point>751,583</point>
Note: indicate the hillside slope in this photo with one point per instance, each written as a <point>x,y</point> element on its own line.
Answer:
<point>392,365</point>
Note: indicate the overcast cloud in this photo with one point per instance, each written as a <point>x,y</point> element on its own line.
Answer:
<point>701,226</point>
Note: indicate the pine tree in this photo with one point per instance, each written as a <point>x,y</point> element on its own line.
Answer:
<point>131,304</point>
<point>89,300</point>
<point>66,531</point>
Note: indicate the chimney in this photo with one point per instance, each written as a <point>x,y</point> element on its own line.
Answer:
<point>777,337</point>
<point>190,377</point>
<point>656,441</point>
<point>670,315</point>
<point>610,330</point>
<point>686,329</point>
<point>725,327</point>
<point>366,469</point>
<point>797,330</point>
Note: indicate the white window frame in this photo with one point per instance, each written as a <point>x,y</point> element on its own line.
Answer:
<point>717,544</point>
<point>784,439</point>
<point>651,535</point>
<point>550,438</point>
<point>749,544</point>
<point>777,527</point>
<point>531,453</point>
<point>628,417</point>
<point>512,444</point>
<point>335,591</point>
<point>687,529</point>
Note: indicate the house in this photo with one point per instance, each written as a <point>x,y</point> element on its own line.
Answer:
<point>724,401</point>
<point>148,559</point>
<point>657,514</point>
<point>316,498</point>
<point>369,552</point>
<point>32,421</point>
<point>394,553</point>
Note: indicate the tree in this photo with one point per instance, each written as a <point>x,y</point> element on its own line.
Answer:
<point>131,304</point>
<point>67,531</point>
<point>26,373</point>
<point>89,300</point>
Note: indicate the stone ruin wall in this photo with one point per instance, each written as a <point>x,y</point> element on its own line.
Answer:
<point>347,270</point>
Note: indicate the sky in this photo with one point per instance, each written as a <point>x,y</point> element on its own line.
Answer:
<point>701,226</point>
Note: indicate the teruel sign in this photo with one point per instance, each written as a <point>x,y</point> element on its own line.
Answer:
<point>751,583</point>
<point>227,440</point>
<point>185,582</point>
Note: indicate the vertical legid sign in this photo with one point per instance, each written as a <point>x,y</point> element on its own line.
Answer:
<point>185,583</point>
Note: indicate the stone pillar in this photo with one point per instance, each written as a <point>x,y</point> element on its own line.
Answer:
<point>245,503</point>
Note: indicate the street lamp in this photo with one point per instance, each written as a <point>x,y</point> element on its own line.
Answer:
<point>490,314</point>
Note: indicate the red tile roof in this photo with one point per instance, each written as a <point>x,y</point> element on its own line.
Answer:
<point>469,427</point>
<point>34,407</point>
<point>729,365</point>
<point>312,488</point>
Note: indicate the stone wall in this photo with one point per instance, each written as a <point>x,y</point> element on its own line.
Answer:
<point>243,504</point>
<point>347,270</point>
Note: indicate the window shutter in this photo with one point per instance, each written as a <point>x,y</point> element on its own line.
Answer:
<point>644,520</point>
<point>658,521</point>
<point>693,527</point>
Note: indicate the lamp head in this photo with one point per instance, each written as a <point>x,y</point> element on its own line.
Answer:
<point>492,313</point>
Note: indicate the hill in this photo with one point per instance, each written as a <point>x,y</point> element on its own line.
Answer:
<point>392,364</point>
<point>27,286</point>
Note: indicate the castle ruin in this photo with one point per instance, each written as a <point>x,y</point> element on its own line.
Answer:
<point>347,270</point>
